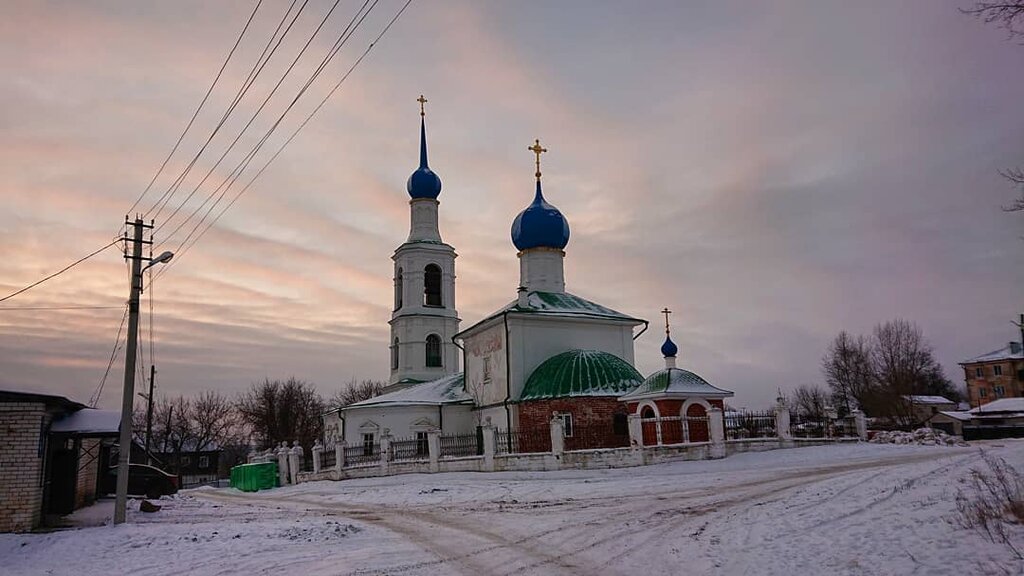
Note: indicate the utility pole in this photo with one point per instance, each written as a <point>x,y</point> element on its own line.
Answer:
<point>128,398</point>
<point>149,411</point>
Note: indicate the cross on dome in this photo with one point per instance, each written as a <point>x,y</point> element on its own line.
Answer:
<point>669,348</point>
<point>536,149</point>
<point>422,101</point>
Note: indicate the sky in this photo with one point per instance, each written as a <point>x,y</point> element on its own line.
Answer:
<point>772,172</point>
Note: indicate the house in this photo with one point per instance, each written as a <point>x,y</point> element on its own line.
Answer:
<point>923,408</point>
<point>193,467</point>
<point>1003,418</point>
<point>997,374</point>
<point>53,452</point>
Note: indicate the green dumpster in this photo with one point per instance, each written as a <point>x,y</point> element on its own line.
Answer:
<point>253,477</point>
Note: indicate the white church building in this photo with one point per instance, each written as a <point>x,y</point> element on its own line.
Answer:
<point>547,352</point>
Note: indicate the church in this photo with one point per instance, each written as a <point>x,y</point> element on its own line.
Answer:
<point>547,353</point>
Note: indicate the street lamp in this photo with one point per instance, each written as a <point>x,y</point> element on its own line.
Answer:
<point>127,400</point>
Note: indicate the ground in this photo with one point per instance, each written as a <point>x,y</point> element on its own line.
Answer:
<point>846,509</point>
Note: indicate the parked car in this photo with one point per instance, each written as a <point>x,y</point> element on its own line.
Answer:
<point>144,480</point>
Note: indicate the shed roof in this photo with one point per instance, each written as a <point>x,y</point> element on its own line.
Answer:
<point>89,422</point>
<point>1003,405</point>
<point>930,400</point>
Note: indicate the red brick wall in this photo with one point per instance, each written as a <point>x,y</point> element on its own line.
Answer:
<point>592,418</point>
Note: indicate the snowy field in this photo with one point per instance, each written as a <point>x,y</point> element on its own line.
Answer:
<point>847,509</point>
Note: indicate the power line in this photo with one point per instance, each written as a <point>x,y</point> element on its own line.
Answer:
<point>369,48</point>
<point>95,399</point>
<point>14,308</point>
<point>59,272</point>
<point>199,108</point>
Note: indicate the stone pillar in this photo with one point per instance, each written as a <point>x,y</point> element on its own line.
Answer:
<point>434,449</point>
<point>716,428</point>
<point>385,451</point>
<point>636,431</point>
<point>282,464</point>
<point>339,457</point>
<point>782,421</point>
<point>318,454</point>
<point>557,436</point>
<point>295,461</point>
<point>489,445</point>
<point>862,425</point>
<point>251,458</point>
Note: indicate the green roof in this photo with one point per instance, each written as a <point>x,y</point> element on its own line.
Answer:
<point>675,382</point>
<point>581,373</point>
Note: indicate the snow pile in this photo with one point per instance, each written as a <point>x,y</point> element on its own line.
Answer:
<point>921,436</point>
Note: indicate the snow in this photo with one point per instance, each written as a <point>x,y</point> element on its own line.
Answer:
<point>446,390</point>
<point>1001,405</point>
<point>930,400</point>
<point>89,421</point>
<point>838,509</point>
<point>921,436</point>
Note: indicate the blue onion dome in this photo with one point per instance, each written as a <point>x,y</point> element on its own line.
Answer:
<point>423,183</point>
<point>540,225</point>
<point>669,348</point>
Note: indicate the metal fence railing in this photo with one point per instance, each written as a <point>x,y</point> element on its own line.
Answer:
<point>362,454</point>
<point>461,445</point>
<point>746,424</point>
<point>329,459</point>
<point>515,441</point>
<point>596,436</point>
<point>412,448</point>
<point>801,427</point>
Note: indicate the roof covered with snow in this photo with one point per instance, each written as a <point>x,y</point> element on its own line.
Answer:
<point>89,422</point>
<point>956,414</point>
<point>675,382</point>
<point>561,304</point>
<point>930,400</point>
<point>1002,406</point>
<point>1012,351</point>
<point>446,390</point>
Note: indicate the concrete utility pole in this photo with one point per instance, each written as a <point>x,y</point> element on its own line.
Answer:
<point>128,398</point>
<point>149,410</point>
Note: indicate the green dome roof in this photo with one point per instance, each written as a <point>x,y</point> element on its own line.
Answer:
<point>581,373</point>
<point>676,382</point>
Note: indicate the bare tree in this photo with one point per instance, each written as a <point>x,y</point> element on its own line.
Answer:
<point>809,402</point>
<point>278,411</point>
<point>848,372</point>
<point>214,421</point>
<point>355,392</point>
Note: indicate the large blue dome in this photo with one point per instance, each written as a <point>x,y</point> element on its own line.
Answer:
<point>540,225</point>
<point>423,183</point>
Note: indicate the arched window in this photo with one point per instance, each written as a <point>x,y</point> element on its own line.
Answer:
<point>394,355</point>
<point>399,289</point>
<point>433,351</point>
<point>432,285</point>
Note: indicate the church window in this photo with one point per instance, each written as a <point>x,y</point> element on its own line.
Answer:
<point>432,285</point>
<point>647,412</point>
<point>433,351</point>
<point>394,355</point>
<point>399,288</point>
<point>566,424</point>
<point>487,369</point>
<point>421,444</point>
<point>368,444</point>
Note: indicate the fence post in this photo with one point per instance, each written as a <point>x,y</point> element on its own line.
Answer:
<point>282,464</point>
<point>716,429</point>
<point>434,449</point>
<point>488,431</point>
<point>385,451</point>
<point>318,454</point>
<point>339,456</point>
<point>636,431</point>
<point>295,461</point>
<point>862,425</point>
<point>782,421</point>
<point>557,436</point>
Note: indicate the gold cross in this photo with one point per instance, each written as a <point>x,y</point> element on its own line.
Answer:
<point>666,312</point>
<point>422,101</point>
<point>536,149</point>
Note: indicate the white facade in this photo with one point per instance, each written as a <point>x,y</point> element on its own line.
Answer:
<point>406,421</point>
<point>542,270</point>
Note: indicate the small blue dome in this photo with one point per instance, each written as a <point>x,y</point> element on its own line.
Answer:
<point>423,183</point>
<point>669,348</point>
<point>540,225</point>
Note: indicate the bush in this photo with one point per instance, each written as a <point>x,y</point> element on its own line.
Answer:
<point>993,501</point>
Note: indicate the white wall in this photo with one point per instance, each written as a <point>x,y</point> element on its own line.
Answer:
<point>405,421</point>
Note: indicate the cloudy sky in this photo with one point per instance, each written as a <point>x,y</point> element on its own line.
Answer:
<point>773,172</point>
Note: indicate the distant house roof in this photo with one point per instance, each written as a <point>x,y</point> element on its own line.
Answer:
<point>446,390</point>
<point>89,422</point>
<point>1002,407</point>
<point>48,399</point>
<point>581,373</point>
<point>956,414</point>
<point>1012,351</point>
<point>560,304</point>
<point>930,400</point>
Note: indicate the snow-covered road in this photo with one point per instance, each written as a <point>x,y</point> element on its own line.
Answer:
<point>849,509</point>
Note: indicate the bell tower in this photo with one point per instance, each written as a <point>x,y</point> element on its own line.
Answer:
<point>424,317</point>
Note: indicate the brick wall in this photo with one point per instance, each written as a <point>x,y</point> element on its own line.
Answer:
<point>592,419</point>
<point>21,465</point>
<point>88,469</point>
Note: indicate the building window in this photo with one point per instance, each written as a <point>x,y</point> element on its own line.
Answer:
<point>421,444</point>
<point>566,424</point>
<point>185,460</point>
<point>1000,391</point>
<point>997,370</point>
<point>487,369</point>
<point>368,444</point>
<point>433,351</point>
<point>394,355</point>
<point>204,462</point>
<point>982,393</point>
<point>399,288</point>
<point>979,372</point>
<point>432,285</point>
